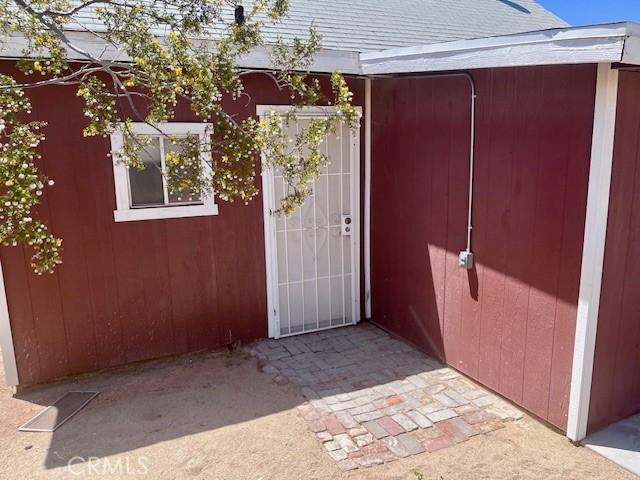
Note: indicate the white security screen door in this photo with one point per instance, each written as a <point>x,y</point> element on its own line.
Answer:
<point>313,256</point>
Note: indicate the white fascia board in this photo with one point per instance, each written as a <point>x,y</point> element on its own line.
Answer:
<point>325,61</point>
<point>598,44</point>
<point>631,54</point>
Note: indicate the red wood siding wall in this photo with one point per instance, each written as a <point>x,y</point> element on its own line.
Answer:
<point>509,323</point>
<point>135,290</point>
<point>615,391</point>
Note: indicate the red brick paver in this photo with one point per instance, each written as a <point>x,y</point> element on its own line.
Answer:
<point>391,426</point>
<point>372,399</point>
<point>439,443</point>
<point>480,416</point>
<point>457,429</point>
<point>333,425</point>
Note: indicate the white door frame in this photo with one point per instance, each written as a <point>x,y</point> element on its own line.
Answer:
<point>367,197</point>
<point>268,202</point>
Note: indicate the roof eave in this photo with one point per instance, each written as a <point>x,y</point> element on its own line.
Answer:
<point>325,61</point>
<point>611,43</point>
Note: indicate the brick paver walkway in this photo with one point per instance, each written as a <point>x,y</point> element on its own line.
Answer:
<point>373,399</point>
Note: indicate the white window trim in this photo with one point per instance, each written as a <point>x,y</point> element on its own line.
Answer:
<point>124,212</point>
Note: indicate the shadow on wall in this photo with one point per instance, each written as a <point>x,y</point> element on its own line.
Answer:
<point>515,6</point>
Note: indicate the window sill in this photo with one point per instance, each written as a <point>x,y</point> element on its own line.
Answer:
<point>159,213</point>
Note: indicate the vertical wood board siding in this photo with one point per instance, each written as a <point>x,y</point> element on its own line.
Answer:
<point>615,389</point>
<point>133,290</point>
<point>509,323</point>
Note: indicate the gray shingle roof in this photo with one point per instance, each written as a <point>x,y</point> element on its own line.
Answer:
<point>366,25</point>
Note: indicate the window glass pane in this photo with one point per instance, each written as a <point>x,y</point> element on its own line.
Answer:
<point>180,196</point>
<point>146,185</point>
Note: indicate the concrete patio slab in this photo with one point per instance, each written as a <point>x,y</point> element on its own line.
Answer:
<point>361,379</point>
<point>619,443</point>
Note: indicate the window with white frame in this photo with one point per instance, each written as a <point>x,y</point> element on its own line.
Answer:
<point>145,194</point>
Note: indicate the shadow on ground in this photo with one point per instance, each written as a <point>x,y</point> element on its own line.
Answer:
<point>619,443</point>
<point>217,415</point>
<point>357,378</point>
<point>156,402</point>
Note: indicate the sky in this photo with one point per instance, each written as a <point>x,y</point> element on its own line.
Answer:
<point>586,12</point>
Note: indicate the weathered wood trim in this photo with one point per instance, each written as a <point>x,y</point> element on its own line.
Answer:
<point>599,44</point>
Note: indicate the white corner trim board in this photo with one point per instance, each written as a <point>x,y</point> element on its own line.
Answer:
<point>6,338</point>
<point>595,234</point>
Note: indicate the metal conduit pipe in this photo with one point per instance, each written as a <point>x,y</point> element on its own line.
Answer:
<point>466,256</point>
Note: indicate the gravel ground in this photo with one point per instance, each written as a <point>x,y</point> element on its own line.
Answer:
<point>216,416</point>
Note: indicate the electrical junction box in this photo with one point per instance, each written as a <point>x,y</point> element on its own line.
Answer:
<point>466,260</point>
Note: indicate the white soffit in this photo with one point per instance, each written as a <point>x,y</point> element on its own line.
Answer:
<point>612,43</point>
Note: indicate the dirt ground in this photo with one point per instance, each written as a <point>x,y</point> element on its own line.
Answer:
<point>216,416</point>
